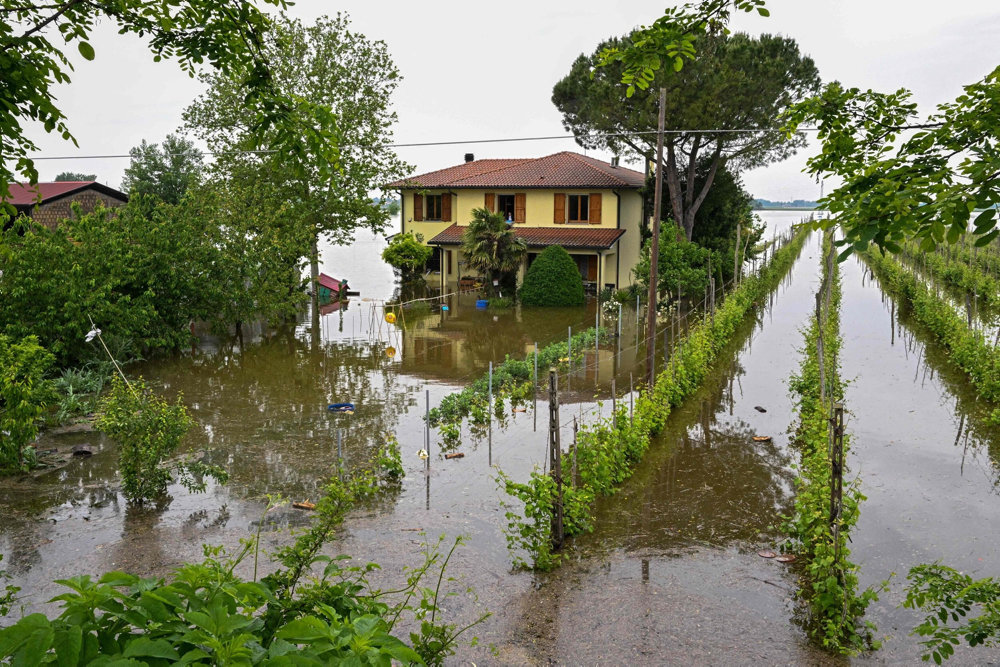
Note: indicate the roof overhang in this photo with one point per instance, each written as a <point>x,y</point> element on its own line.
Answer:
<point>576,238</point>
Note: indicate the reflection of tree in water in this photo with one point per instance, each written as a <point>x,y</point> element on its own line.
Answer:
<point>974,432</point>
<point>263,413</point>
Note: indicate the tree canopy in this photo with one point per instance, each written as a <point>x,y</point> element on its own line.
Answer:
<point>225,36</point>
<point>326,65</point>
<point>75,176</point>
<point>737,83</point>
<point>903,176</point>
<point>166,172</point>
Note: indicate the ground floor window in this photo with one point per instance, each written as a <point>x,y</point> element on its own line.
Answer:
<point>587,264</point>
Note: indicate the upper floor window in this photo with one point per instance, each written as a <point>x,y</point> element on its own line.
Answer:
<point>505,205</point>
<point>578,208</point>
<point>432,207</point>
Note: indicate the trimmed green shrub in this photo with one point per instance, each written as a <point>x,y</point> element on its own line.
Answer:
<point>407,254</point>
<point>552,280</point>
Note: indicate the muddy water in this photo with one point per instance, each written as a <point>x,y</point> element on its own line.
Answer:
<point>927,460</point>
<point>695,516</point>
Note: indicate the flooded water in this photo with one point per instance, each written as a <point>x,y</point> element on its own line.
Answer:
<point>671,574</point>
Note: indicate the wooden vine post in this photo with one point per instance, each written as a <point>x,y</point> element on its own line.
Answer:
<point>837,476</point>
<point>555,460</point>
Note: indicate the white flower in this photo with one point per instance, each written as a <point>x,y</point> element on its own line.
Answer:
<point>92,334</point>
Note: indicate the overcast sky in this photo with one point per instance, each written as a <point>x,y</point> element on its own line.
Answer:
<point>475,70</point>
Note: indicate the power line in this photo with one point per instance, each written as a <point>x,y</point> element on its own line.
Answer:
<point>424,144</point>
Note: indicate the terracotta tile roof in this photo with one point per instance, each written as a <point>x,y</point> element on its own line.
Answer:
<point>599,238</point>
<point>561,170</point>
<point>24,194</point>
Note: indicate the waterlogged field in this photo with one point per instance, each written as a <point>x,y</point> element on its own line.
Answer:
<point>671,572</point>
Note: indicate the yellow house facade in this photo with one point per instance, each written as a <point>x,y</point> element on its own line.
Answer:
<point>591,208</point>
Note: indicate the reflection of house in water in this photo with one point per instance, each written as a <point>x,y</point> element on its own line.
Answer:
<point>461,341</point>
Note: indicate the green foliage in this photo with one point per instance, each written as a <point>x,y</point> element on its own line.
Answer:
<point>407,254</point>
<point>24,394</point>
<point>167,172</point>
<point>830,579</point>
<point>74,176</point>
<point>967,349</point>
<point>671,40</point>
<point>727,206</point>
<point>148,431</point>
<point>682,264</point>
<point>491,248</point>
<point>342,83</point>
<point>958,268</point>
<point>34,38</point>
<point>77,390</point>
<point>512,381</point>
<point>8,594</point>
<point>735,82</point>
<point>893,189</point>
<point>553,279</point>
<point>608,451</point>
<point>948,597</point>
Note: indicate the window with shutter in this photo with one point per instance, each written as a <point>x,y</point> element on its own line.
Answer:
<point>595,208</point>
<point>491,202</point>
<point>505,206</point>
<point>560,208</point>
<point>418,207</point>
<point>519,207</point>
<point>446,208</point>
<point>434,205</point>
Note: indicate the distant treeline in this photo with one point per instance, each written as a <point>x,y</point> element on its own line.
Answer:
<point>759,204</point>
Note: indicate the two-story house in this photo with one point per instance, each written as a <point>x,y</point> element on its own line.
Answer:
<point>591,208</point>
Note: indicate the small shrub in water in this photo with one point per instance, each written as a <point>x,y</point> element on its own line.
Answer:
<point>148,430</point>
<point>553,279</point>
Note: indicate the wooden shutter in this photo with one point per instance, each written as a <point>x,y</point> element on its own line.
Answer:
<point>595,208</point>
<point>418,207</point>
<point>592,266</point>
<point>446,207</point>
<point>491,201</point>
<point>560,209</point>
<point>519,206</point>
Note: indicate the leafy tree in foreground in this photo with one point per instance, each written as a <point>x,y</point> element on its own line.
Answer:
<point>682,264</point>
<point>493,249</point>
<point>225,34</point>
<point>75,176</point>
<point>166,172</point>
<point>553,279</point>
<point>905,177</point>
<point>737,83</point>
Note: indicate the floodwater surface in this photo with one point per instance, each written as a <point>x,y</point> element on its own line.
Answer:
<point>671,574</point>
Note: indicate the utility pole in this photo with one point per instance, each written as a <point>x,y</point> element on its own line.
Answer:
<point>654,248</point>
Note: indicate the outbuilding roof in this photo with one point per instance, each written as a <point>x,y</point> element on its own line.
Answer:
<point>560,170</point>
<point>25,194</point>
<point>600,238</point>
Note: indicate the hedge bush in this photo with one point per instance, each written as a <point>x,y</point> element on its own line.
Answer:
<point>552,280</point>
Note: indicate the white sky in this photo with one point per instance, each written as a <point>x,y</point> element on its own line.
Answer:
<point>475,70</point>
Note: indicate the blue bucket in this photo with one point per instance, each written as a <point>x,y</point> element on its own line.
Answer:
<point>482,303</point>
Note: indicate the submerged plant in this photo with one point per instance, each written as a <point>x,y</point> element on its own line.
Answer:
<point>148,431</point>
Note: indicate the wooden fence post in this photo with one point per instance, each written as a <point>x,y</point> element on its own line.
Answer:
<point>555,460</point>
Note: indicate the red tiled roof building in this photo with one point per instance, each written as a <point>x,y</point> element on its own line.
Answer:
<point>592,208</point>
<point>48,203</point>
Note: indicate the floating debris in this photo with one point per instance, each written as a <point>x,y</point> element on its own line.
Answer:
<point>304,505</point>
<point>513,410</point>
<point>455,455</point>
<point>347,408</point>
<point>422,454</point>
<point>759,409</point>
<point>83,450</point>
<point>762,438</point>
<point>786,558</point>
<point>767,553</point>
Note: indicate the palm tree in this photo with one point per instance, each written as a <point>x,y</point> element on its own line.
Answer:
<point>491,248</point>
